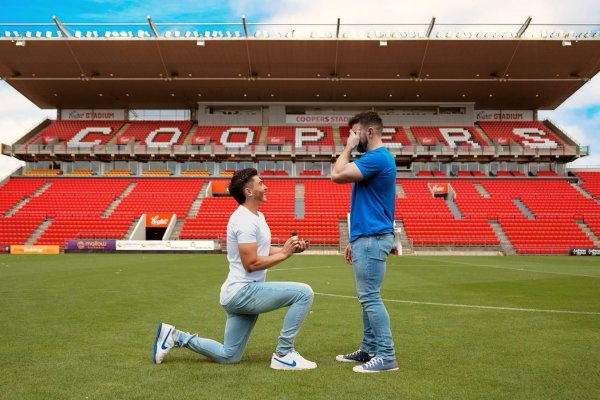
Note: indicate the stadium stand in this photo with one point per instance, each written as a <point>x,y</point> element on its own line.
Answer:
<point>532,134</point>
<point>195,172</point>
<point>537,215</point>
<point>591,182</point>
<point>155,133</point>
<point>159,195</point>
<point>43,172</point>
<point>453,136</point>
<point>78,133</point>
<point>506,172</point>
<point>300,136</point>
<point>393,136</point>
<point>227,136</point>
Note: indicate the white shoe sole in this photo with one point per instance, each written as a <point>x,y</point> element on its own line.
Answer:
<point>341,358</point>
<point>366,371</point>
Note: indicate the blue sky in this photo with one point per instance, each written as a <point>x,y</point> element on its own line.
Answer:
<point>579,116</point>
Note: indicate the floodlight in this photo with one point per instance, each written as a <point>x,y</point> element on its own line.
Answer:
<point>20,42</point>
<point>383,43</point>
<point>200,43</point>
<point>566,43</point>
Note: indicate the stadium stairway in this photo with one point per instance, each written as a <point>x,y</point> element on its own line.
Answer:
<point>26,199</point>
<point>337,139</point>
<point>344,234</point>
<point>131,228</point>
<point>410,134</point>
<point>527,212</point>
<point>178,225</point>
<point>299,200</point>
<point>116,201</point>
<point>505,244</point>
<point>581,190</point>
<point>197,203</point>
<point>39,231</point>
<point>484,193</point>
<point>404,240</point>
<point>118,134</point>
<point>454,208</point>
<point>400,190</point>
<point>584,227</point>
<point>484,137</point>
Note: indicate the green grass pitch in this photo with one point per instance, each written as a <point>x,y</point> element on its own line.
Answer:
<point>81,326</point>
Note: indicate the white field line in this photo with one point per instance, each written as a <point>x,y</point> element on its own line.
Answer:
<point>301,268</point>
<point>470,305</point>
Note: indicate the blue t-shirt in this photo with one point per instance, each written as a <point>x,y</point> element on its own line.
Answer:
<point>374,197</point>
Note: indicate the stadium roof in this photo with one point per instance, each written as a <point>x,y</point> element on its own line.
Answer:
<point>178,72</point>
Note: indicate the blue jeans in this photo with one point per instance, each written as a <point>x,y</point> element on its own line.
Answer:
<point>242,312</point>
<point>368,262</point>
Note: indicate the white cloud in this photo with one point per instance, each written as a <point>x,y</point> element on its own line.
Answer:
<point>18,115</point>
<point>385,11</point>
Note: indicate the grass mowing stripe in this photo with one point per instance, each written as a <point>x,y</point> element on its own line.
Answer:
<point>519,269</point>
<point>429,303</point>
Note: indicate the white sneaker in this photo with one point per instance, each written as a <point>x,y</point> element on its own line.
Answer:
<point>163,342</point>
<point>291,361</point>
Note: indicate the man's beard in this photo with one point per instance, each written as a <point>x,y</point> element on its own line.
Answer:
<point>362,146</point>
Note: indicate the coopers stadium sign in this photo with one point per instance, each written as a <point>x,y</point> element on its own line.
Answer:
<point>503,115</point>
<point>91,115</point>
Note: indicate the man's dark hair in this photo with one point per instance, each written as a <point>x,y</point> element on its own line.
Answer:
<point>239,181</point>
<point>367,119</point>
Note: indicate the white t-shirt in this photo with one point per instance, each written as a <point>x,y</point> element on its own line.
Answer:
<point>244,227</point>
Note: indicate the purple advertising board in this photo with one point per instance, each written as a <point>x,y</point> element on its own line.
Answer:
<point>91,245</point>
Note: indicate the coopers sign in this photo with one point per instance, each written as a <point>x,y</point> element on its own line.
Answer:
<point>439,188</point>
<point>158,220</point>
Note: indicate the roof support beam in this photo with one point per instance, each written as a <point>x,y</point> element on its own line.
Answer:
<point>251,74</point>
<point>524,27</point>
<point>430,28</point>
<point>337,45</point>
<point>152,26</point>
<point>61,27</point>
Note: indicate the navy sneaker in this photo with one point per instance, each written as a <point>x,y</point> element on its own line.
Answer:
<point>356,356</point>
<point>377,364</point>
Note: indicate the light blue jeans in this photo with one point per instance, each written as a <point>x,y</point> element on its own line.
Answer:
<point>369,254</point>
<point>242,312</point>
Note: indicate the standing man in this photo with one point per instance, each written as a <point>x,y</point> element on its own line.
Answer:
<point>245,294</point>
<point>371,236</point>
